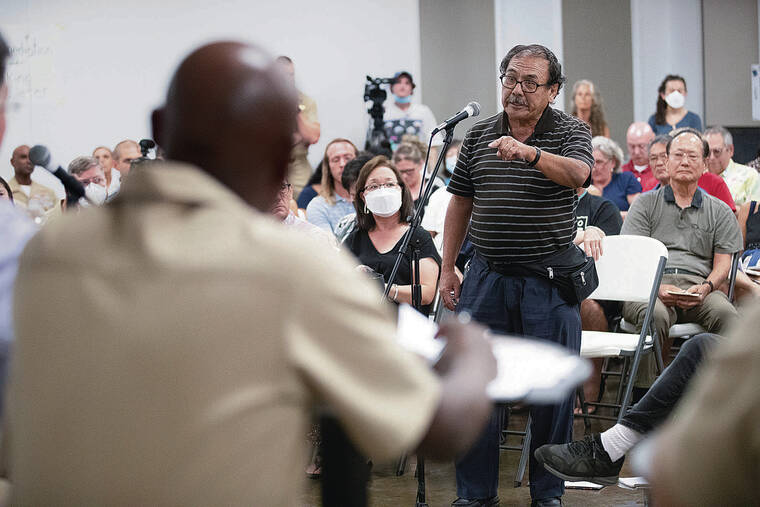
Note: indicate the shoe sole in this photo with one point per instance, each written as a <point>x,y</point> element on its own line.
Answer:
<point>604,481</point>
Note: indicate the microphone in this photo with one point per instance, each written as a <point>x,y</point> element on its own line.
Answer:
<point>40,156</point>
<point>471,109</point>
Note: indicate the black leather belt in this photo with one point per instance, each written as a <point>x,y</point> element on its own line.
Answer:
<point>679,271</point>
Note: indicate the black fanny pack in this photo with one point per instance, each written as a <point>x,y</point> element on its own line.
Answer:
<point>569,270</point>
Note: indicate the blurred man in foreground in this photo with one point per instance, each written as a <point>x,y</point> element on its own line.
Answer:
<point>192,382</point>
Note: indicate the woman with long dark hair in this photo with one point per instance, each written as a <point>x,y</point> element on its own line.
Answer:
<point>671,112</point>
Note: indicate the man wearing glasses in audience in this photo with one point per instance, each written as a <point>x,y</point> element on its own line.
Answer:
<point>700,232</point>
<point>516,178</point>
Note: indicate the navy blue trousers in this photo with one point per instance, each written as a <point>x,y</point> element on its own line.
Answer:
<point>518,306</point>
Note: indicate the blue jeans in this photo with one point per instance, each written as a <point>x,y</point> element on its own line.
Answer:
<point>661,398</point>
<point>519,306</point>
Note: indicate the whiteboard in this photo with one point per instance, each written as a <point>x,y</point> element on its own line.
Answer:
<point>86,73</point>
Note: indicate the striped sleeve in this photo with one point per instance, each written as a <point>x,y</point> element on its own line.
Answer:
<point>461,180</point>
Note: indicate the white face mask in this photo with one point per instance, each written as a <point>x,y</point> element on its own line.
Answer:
<point>675,99</point>
<point>451,163</point>
<point>383,202</point>
<point>96,193</point>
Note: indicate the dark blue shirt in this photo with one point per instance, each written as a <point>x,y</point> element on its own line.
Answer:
<point>622,185</point>
<point>690,120</point>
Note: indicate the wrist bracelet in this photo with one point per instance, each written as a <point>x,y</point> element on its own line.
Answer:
<point>395,293</point>
<point>538,157</point>
<point>712,287</point>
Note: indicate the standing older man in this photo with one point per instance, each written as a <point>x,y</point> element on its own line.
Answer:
<point>700,233</point>
<point>742,181</point>
<point>192,382</point>
<point>516,178</point>
<point>638,137</point>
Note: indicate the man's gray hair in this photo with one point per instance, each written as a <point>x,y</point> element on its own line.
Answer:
<point>82,164</point>
<point>610,149</point>
<point>728,139</point>
<point>660,139</point>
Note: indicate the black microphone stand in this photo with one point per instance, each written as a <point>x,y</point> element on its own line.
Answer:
<point>416,285</point>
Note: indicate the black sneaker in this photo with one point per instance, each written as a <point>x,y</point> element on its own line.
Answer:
<point>582,460</point>
<point>483,502</point>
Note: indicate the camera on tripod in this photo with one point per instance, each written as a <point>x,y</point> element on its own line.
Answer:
<point>377,139</point>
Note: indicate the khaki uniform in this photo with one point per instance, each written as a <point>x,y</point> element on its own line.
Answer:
<point>41,202</point>
<point>715,432</point>
<point>299,170</point>
<point>183,340</point>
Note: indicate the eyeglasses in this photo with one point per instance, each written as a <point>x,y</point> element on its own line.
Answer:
<point>373,187</point>
<point>716,152</point>
<point>528,85</point>
<point>661,156</point>
<point>693,158</point>
<point>285,187</point>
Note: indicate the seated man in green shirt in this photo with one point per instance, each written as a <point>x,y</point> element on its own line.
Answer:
<point>700,232</point>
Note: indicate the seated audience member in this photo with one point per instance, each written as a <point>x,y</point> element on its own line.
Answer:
<point>708,452</point>
<point>596,217</point>
<point>199,393</point>
<point>599,457</point>
<point>638,137</point>
<point>333,202</point>
<point>88,172</point>
<point>450,162</point>
<point>410,161</point>
<point>39,201</point>
<point>708,182</point>
<point>671,113</point>
<point>312,188</point>
<point>348,179</point>
<point>619,187</point>
<point>700,232</point>
<point>434,218</point>
<point>587,105</point>
<point>113,176</point>
<point>382,204</point>
<point>749,223</point>
<point>124,154</point>
<point>743,182</point>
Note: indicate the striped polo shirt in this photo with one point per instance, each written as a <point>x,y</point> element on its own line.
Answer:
<point>520,215</point>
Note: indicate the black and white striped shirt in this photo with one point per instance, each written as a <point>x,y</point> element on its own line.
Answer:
<point>520,215</point>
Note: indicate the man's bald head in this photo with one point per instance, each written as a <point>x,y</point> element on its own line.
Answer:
<point>638,137</point>
<point>231,111</point>
<point>124,154</point>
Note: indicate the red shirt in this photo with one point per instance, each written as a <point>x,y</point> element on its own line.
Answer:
<point>716,187</point>
<point>645,177</point>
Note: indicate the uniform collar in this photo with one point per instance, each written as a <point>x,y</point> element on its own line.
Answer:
<point>179,183</point>
<point>696,201</point>
<point>545,123</point>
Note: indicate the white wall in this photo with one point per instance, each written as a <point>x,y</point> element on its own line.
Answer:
<point>528,22</point>
<point>666,38</point>
<point>88,73</point>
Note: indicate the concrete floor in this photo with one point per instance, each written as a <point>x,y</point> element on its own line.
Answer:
<point>386,489</point>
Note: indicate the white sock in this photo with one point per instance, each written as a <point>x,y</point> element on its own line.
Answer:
<point>618,440</point>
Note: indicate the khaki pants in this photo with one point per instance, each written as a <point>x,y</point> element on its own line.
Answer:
<point>715,314</point>
<point>299,172</point>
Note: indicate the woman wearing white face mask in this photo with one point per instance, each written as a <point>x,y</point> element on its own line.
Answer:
<point>671,111</point>
<point>383,204</point>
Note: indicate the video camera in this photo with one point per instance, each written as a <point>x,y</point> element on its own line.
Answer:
<point>377,139</point>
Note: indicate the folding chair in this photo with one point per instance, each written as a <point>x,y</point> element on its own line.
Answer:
<point>630,269</point>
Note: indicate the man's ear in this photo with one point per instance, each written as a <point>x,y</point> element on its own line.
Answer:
<point>157,122</point>
<point>554,91</point>
<point>730,149</point>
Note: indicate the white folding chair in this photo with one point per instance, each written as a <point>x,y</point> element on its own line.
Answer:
<point>630,269</point>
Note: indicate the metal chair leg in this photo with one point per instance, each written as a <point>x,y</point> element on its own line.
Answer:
<point>524,455</point>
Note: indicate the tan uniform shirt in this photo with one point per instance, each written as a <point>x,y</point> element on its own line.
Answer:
<point>183,341</point>
<point>715,433</point>
<point>299,170</point>
<point>41,204</point>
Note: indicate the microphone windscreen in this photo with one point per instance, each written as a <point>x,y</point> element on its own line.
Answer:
<point>475,108</point>
<point>39,155</point>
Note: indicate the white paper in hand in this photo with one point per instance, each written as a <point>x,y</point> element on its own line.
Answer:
<point>416,333</point>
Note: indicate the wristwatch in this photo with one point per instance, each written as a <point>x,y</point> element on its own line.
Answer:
<point>538,157</point>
